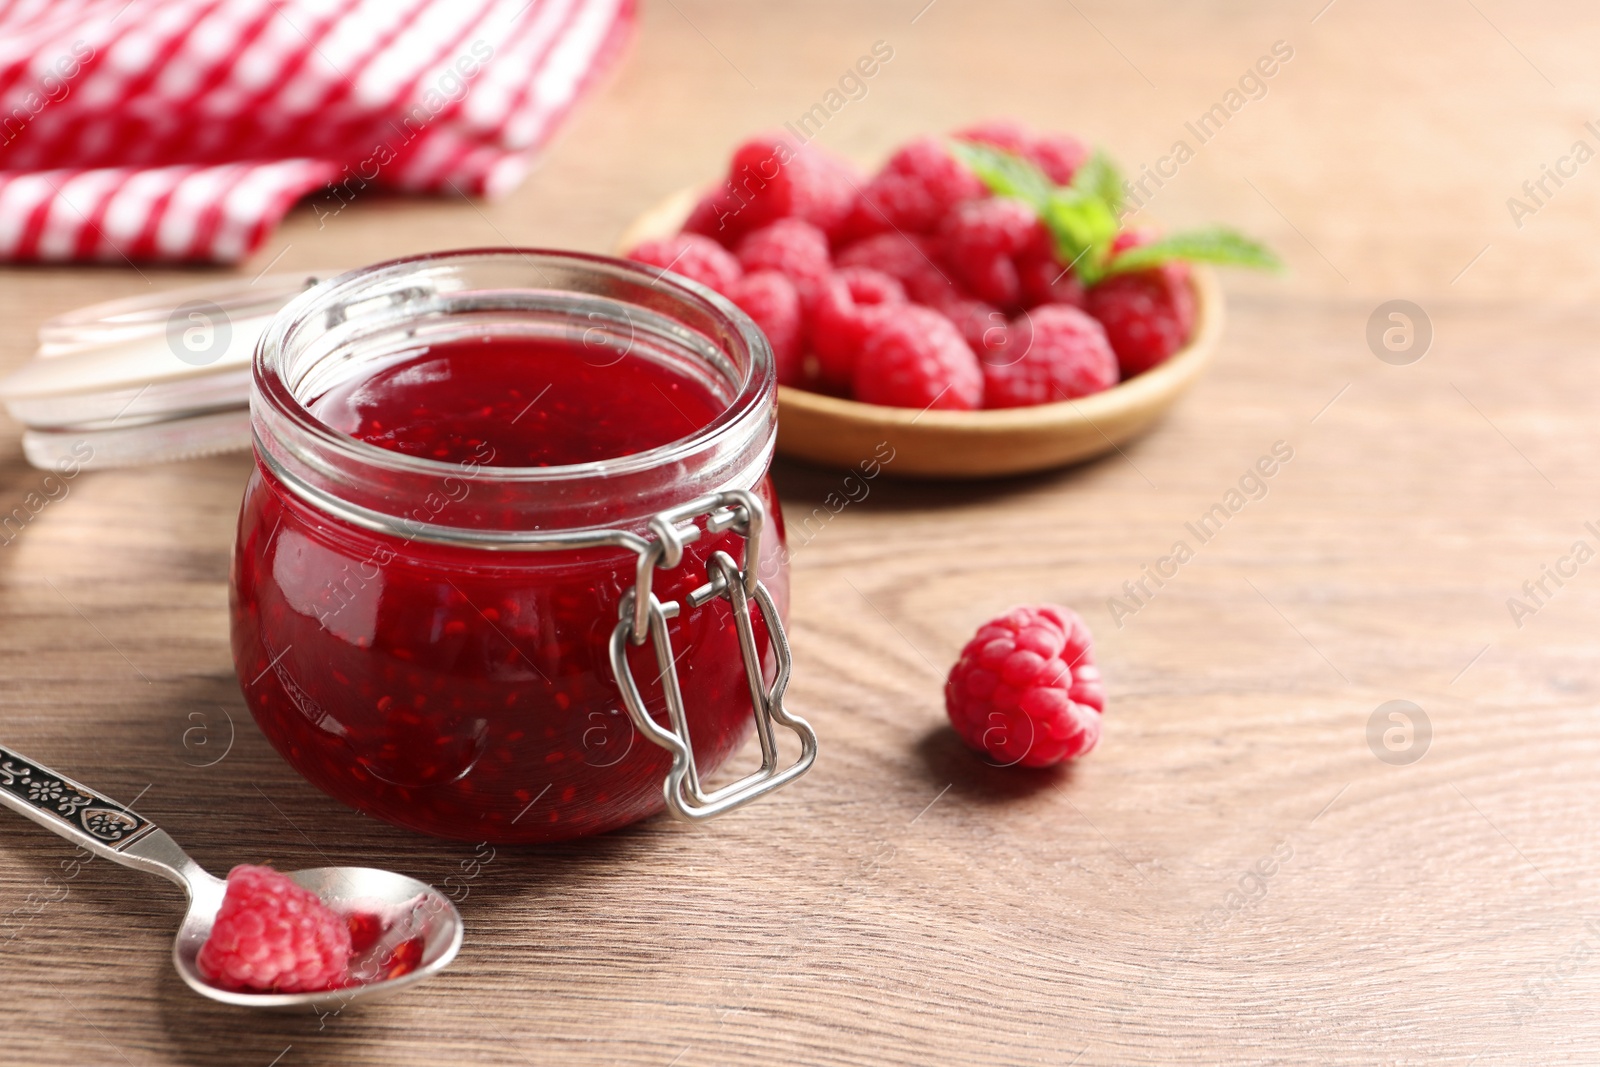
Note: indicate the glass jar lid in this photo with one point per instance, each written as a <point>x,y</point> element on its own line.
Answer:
<point>147,379</point>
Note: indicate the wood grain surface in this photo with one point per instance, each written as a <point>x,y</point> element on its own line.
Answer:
<point>1234,876</point>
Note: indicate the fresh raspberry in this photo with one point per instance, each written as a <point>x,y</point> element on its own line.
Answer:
<point>911,260</point>
<point>770,299</point>
<point>982,325</point>
<point>834,189</point>
<point>1147,314</point>
<point>1054,352</point>
<point>1026,689</point>
<point>1008,135</point>
<point>1057,154</point>
<point>706,217</point>
<point>1127,239</point>
<point>897,255</point>
<point>914,191</point>
<point>776,177</point>
<point>693,256</point>
<point>272,936</point>
<point>847,306</point>
<point>1046,281</point>
<point>915,358</point>
<point>795,248</point>
<point>978,240</point>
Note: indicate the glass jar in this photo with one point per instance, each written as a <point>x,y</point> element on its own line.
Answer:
<point>516,653</point>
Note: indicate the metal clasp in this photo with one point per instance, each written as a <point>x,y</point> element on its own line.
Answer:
<point>642,617</point>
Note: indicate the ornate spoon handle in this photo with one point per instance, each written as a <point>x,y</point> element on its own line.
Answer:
<point>77,813</point>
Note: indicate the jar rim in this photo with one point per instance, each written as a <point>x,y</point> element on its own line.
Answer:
<point>756,388</point>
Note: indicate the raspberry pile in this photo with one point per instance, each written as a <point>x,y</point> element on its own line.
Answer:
<point>272,936</point>
<point>919,286</point>
<point>1026,690</point>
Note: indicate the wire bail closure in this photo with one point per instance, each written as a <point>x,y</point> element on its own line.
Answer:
<point>642,617</point>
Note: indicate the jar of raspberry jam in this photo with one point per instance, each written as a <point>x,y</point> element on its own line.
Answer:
<point>510,566</point>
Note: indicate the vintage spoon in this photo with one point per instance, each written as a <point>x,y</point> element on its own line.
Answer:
<point>412,909</point>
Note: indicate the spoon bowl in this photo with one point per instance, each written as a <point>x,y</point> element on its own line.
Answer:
<point>411,914</point>
<point>409,908</point>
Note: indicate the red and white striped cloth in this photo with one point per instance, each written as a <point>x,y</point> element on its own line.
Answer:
<point>184,129</point>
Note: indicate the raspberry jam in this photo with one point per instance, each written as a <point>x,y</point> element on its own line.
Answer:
<point>517,403</point>
<point>382,946</point>
<point>419,425</point>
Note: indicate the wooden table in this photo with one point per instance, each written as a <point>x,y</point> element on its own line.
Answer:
<point>1234,876</point>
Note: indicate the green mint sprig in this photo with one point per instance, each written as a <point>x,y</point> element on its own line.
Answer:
<point>1084,217</point>
<point>1212,244</point>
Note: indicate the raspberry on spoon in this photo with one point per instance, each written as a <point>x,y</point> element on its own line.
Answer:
<point>272,936</point>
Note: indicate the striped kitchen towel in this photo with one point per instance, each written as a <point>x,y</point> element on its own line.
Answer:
<point>136,130</point>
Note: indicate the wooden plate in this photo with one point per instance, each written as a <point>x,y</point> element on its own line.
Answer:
<point>973,444</point>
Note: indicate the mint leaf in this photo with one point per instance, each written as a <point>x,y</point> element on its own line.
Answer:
<point>1005,174</point>
<point>1079,219</point>
<point>1083,226</point>
<point>1084,218</point>
<point>1211,245</point>
<point>1100,178</point>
